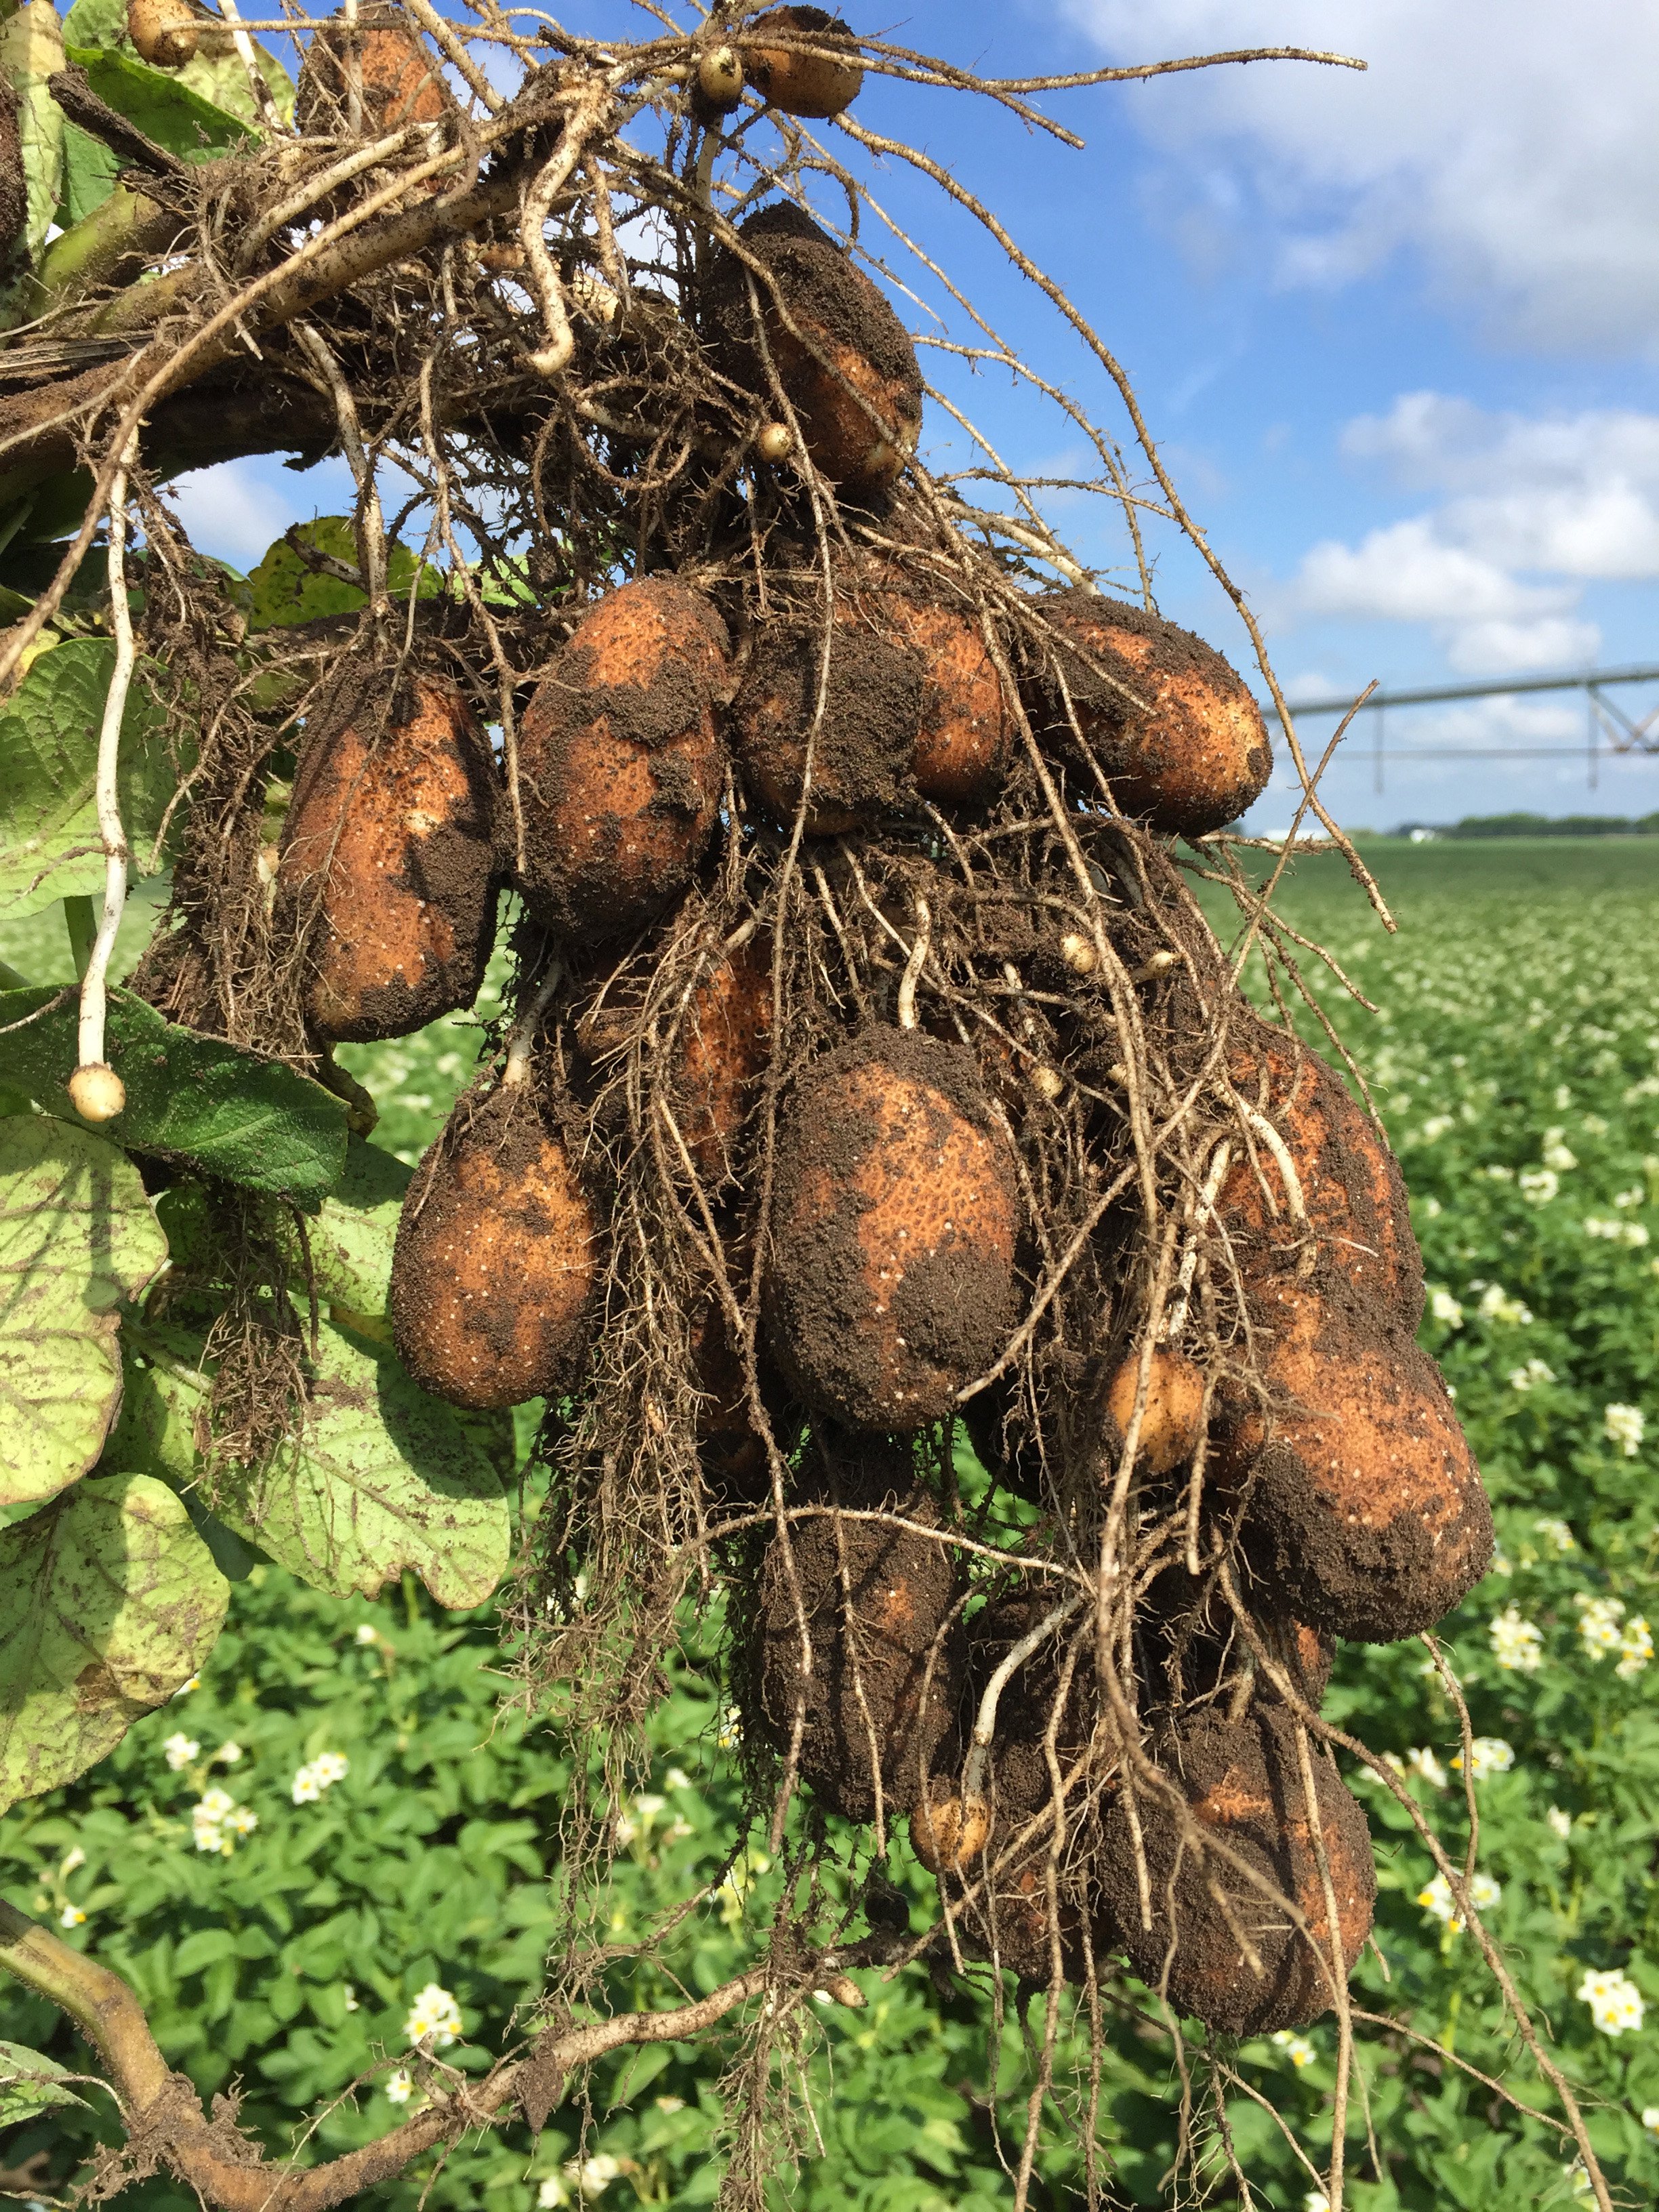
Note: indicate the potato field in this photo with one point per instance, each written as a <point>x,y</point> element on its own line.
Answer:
<point>335,1843</point>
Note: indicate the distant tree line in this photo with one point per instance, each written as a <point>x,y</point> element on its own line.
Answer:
<point>1538,825</point>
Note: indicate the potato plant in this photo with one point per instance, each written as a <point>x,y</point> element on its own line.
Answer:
<point>956,1320</point>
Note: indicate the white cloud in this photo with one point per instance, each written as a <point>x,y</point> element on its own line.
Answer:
<point>1509,648</point>
<point>1409,572</point>
<point>235,509</point>
<point>1509,143</point>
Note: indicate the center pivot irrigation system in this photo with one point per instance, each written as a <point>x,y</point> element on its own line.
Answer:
<point>873,1086</point>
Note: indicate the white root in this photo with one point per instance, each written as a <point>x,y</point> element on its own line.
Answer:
<point>1176,1320</point>
<point>555,357</point>
<point>522,1043</point>
<point>102,1090</point>
<point>914,965</point>
<point>985,1722</point>
<point>269,112</point>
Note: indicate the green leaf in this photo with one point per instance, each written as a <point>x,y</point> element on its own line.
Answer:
<point>382,1477</point>
<point>90,170</point>
<point>31,50</point>
<point>50,847</point>
<point>352,1234</point>
<point>77,1235</point>
<point>109,1602</point>
<point>285,591</point>
<point>192,1099</point>
<point>217,75</point>
<point>29,2082</point>
<point>162,105</point>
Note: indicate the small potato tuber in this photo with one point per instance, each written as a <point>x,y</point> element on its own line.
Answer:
<point>620,761</point>
<point>497,1257</point>
<point>387,846</point>
<point>165,32</point>
<point>790,76</point>
<point>1172,1414</point>
<point>892,1278</point>
<point>724,1047</point>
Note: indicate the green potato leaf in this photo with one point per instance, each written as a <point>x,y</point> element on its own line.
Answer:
<point>31,50</point>
<point>77,1235</point>
<point>286,592</point>
<point>191,1099</point>
<point>50,847</point>
<point>162,105</point>
<point>90,171</point>
<point>380,1477</point>
<point>109,1602</point>
<point>30,2083</point>
<point>216,74</point>
<point>352,1234</point>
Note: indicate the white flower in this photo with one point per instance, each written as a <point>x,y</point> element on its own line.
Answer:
<point>368,1632</point>
<point>1423,1761</point>
<point>1296,2048</point>
<point>1617,1232</point>
<point>676,1778</point>
<point>179,1750</point>
<point>669,2104</point>
<point>228,1753</point>
<point>1501,1562</point>
<point>1436,1127</point>
<point>185,1688</point>
<point>1614,2001</point>
<point>1497,1304</point>
<point>1489,1755</point>
<point>1593,1126</point>
<point>1598,1624</point>
<point>351,2004</point>
<point>1555,1154</point>
<point>1560,1823</point>
<point>1444,1307</point>
<point>400,2087</point>
<point>1498,1175</point>
<point>1315,2201</point>
<point>1650,2118</point>
<point>1579,2178</point>
<point>1437,1901</point>
<point>241,1821</point>
<point>552,2193</point>
<point>1538,1185</point>
<point>71,1917</point>
<point>318,1774</point>
<point>1556,1535</point>
<point>1636,1196</point>
<point>592,2177</point>
<point>434,2012</point>
<point>76,1860</point>
<point>1516,1645</point>
<point>217,1820</point>
<point>1635,1649</point>
<point>1624,1426</point>
<point>1530,1377</point>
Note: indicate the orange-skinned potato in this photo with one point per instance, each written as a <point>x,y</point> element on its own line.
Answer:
<point>962,747</point>
<point>621,763</point>
<point>1366,1512</point>
<point>1242,1784</point>
<point>846,366</point>
<point>1172,1416</point>
<point>866,727</point>
<point>804,83</point>
<point>886,1642</point>
<point>378,64</point>
<point>392,838</point>
<point>497,1257</point>
<point>724,1050</point>
<point>1174,729</point>
<point>1359,1236</point>
<point>892,1278</point>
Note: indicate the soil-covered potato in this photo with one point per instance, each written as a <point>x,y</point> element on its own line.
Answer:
<point>1358,1217</point>
<point>1243,1785</point>
<point>962,742</point>
<point>807,84</point>
<point>879,1604</point>
<point>724,1050</point>
<point>1172,1418</point>
<point>1366,1507</point>
<point>390,835</point>
<point>620,761</point>
<point>14,185</point>
<point>847,365</point>
<point>1192,754</point>
<point>865,740</point>
<point>732,1451</point>
<point>378,64</point>
<point>497,1257</point>
<point>892,1278</point>
<point>1191,1651</point>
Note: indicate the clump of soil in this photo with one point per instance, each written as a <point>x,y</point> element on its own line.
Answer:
<point>1191,1651</point>
<point>1242,1789</point>
<point>376,66</point>
<point>621,763</point>
<point>498,1257</point>
<point>791,306</point>
<point>1355,1235</point>
<point>860,719</point>
<point>892,1276</point>
<point>806,84</point>
<point>387,856</point>
<point>1172,726</point>
<point>14,183</point>
<point>1365,1508</point>
<point>880,1607</point>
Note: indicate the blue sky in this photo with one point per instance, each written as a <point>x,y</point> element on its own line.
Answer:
<point>1396,333</point>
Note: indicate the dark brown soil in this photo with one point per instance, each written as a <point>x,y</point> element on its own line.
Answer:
<point>387,854</point>
<point>1191,1651</point>
<point>1358,1218</point>
<point>498,1258</point>
<point>865,743</point>
<point>620,763</point>
<point>847,367</point>
<point>735,1466</point>
<point>1242,1782</point>
<point>1366,1507</point>
<point>892,1275</point>
<point>887,1650</point>
<point>1193,754</point>
<point>14,183</point>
